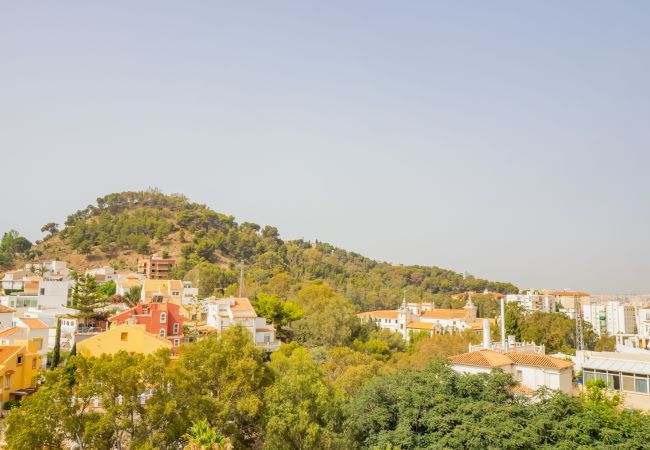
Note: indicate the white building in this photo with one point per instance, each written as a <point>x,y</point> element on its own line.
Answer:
<point>621,318</point>
<point>595,313</point>
<point>531,370</point>
<point>534,301</point>
<point>223,313</point>
<point>14,280</point>
<point>424,317</point>
<point>48,268</point>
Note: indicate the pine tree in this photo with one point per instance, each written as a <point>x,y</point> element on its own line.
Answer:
<point>87,299</point>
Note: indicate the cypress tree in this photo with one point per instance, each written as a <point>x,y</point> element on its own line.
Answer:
<point>56,353</point>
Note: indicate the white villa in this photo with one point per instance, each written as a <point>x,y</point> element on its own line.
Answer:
<point>415,317</point>
<point>223,313</point>
<point>531,370</point>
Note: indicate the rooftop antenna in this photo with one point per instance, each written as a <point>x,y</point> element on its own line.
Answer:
<point>241,280</point>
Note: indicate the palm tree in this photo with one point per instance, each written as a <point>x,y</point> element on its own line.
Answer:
<point>132,296</point>
<point>201,436</point>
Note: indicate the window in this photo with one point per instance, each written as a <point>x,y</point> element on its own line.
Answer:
<point>39,343</point>
<point>20,359</point>
<point>267,338</point>
<point>163,317</point>
<point>177,342</point>
<point>7,381</point>
<point>176,328</point>
<point>33,363</point>
<point>628,383</point>
<point>42,291</point>
<point>641,385</point>
<point>124,336</point>
<point>520,375</point>
<point>163,333</point>
<point>176,293</point>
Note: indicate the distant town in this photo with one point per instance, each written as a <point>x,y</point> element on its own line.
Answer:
<point>148,312</point>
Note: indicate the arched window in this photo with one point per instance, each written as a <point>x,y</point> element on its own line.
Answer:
<point>163,333</point>
<point>163,317</point>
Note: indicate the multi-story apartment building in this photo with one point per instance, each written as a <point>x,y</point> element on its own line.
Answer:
<point>223,313</point>
<point>534,301</point>
<point>595,313</point>
<point>621,318</point>
<point>19,366</point>
<point>156,267</point>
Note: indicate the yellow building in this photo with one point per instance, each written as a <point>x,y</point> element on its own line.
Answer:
<point>165,291</point>
<point>127,337</point>
<point>19,365</point>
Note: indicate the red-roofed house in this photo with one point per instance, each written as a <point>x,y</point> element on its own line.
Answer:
<point>162,319</point>
<point>532,370</point>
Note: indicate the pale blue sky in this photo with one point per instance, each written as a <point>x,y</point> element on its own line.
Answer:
<point>507,139</point>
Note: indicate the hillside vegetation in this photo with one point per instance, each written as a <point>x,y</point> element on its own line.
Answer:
<point>210,246</point>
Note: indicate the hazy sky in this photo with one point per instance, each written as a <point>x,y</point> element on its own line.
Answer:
<point>506,139</point>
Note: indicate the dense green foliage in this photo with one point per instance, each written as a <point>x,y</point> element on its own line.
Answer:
<point>438,408</point>
<point>13,245</point>
<point>214,244</point>
<point>555,330</point>
<point>221,391</point>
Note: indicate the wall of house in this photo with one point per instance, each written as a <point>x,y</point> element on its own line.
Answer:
<point>53,294</point>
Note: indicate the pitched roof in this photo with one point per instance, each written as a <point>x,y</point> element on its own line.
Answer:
<point>533,359</point>
<point>482,358</point>
<point>242,307</point>
<point>445,314</point>
<point>35,324</point>
<point>490,358</point>
<point>521,389</point>
<point>7,351</point>
<point>381,314</point>
<point>421,325</point>
<point>10,331</point>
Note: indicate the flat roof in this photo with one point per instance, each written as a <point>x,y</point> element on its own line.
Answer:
<point>613,365</point>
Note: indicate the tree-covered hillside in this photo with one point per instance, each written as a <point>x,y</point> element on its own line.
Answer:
<point>210,246</point>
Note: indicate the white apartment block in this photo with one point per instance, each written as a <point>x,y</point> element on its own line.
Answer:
<point>595,313</point>
<point>621,318</point>
<point>534,301</point>
<point>224,313</point>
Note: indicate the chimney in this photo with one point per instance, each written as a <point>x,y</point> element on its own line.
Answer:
<point>486,333</point>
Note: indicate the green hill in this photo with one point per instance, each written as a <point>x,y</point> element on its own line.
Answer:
<point>210,246</point>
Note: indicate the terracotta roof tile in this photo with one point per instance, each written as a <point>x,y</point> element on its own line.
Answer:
<point>10,331</point>
<point>532,359</point>
<point>482,358</point>
<point>445,314</point>
<point>36,324</point>
<point>382,314</point>
<point>421,326</point>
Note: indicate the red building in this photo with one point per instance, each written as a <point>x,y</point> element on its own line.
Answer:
<point>163,319</point>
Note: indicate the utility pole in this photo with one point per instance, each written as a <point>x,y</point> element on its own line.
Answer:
<point>241,280</point>
<point>580,338</point>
